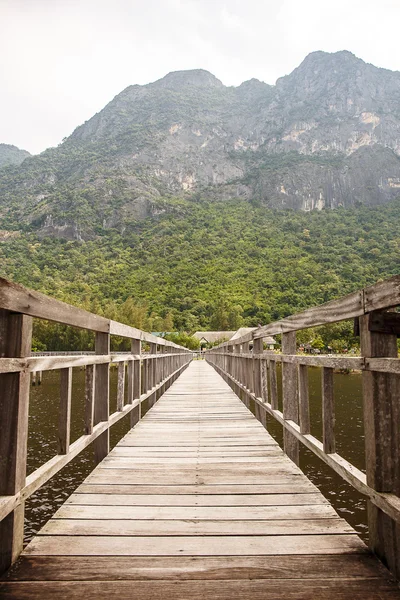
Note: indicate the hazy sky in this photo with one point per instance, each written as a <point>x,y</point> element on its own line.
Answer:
<point>63,60</point>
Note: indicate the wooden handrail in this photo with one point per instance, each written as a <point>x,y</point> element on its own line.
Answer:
<point>253,375</point>
<point>16,298</point>
<point>148,376</point>
<point>381,295</point>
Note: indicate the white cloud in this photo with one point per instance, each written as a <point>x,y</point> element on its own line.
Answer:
<point>63,60</point>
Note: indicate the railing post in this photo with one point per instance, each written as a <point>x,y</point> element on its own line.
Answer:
<point>258,349</point>
<point>289,396</point>
<point>381,394</point>
<point>136,348</point>
<point>102,397</point>
<point>15,342</point>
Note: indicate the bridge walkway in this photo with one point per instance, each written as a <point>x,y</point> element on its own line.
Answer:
<point>197,501</point>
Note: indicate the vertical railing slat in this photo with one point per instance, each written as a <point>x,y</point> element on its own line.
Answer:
<point>273,381</point>
<point>289,396</point>
<point>381,394</point>
<point>102,397</point>
<point>121,386</point>
<point>304,401</point>
<point>15,341</point>
<point>64,414</point>
<point>328,411</point>
<point>90,381</point>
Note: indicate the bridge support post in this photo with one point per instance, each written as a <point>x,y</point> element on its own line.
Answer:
<point>289,396</point>
<point>136,348</point>
<point>246,374</point>
<point>381,394</point>
<point>258,349</point>
<point>15,341</point>
<point>102,397</point>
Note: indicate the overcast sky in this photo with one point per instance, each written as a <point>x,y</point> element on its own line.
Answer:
<point>61,61</point>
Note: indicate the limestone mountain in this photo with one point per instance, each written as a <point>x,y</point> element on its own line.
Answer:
<point>327,135</point>
<point>11,155</point>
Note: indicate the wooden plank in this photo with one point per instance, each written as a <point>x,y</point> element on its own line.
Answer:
<point>198,481</point>
<point>388,503</point>
<point>121,386</point>
<point>381,392</point>
<point>273,385</point>
<point>102,397</point>
<point>107,527</point>
<point>182,499</point>
<point>64,414</point>
<point>302,486</point>
<point>193,546</point>
<point>90,379</point>
<point>328,411</point>
<point>103,568</point>
<point>337,310</point>
<point>290,396</point>
<point>384,294</point>
<point>304,403</point>
<point>17,298</point>
<point>241,513</point>
<point>338,589</point>
<point>15,340</point>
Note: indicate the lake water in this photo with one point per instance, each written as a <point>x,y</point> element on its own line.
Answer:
<point>42,444</point>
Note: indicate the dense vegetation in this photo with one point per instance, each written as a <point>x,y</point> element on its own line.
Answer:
<point>210,265</point>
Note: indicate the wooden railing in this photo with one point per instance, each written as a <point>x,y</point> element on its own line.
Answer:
<point>253,375</point>
<point>148,376</point>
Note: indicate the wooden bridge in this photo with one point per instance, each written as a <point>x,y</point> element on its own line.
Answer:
<point>198,500</point>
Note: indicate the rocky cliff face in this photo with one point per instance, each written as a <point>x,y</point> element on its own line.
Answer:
<point>326,135</point>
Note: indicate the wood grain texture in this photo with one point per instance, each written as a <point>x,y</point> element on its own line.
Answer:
<point>328,411</point>
<point>304,402</point>
<point>64,414</point>
<point>381,392</point>
<point>290,396</point>
<point>199,500</point>
<point>15,341</point>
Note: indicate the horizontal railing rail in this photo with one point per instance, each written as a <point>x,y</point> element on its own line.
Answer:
<point>140,377</point>
<point>252,373</point>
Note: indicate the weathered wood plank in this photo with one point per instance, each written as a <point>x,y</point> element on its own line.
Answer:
<point>198,490</point>
<point>64,414</point>
<point>339,589</point>
<point>102,397</point>
<point>328,411</point>
<point>16,298</point>
<point>381,392</point>
<point>291,499</point>
<point>242,513</point>
<point>103,568</point>
<point>15,340</point>
<point>193,546</point>
<point>302,486</point>
<point>98,527</point>
<point>90,379</point>
<point>121,386</point>
<point>304,403</point>
<point>290,396</point>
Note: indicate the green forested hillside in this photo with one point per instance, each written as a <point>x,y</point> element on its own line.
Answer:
<point>212,265</point>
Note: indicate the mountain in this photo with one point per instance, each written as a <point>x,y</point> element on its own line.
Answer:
<point>327,135</point>
<point>11,155</point>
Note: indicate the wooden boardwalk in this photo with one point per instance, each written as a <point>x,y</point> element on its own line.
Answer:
<point>197,501</point>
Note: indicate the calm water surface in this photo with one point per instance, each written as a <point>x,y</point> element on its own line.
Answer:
<point>42,445</point>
